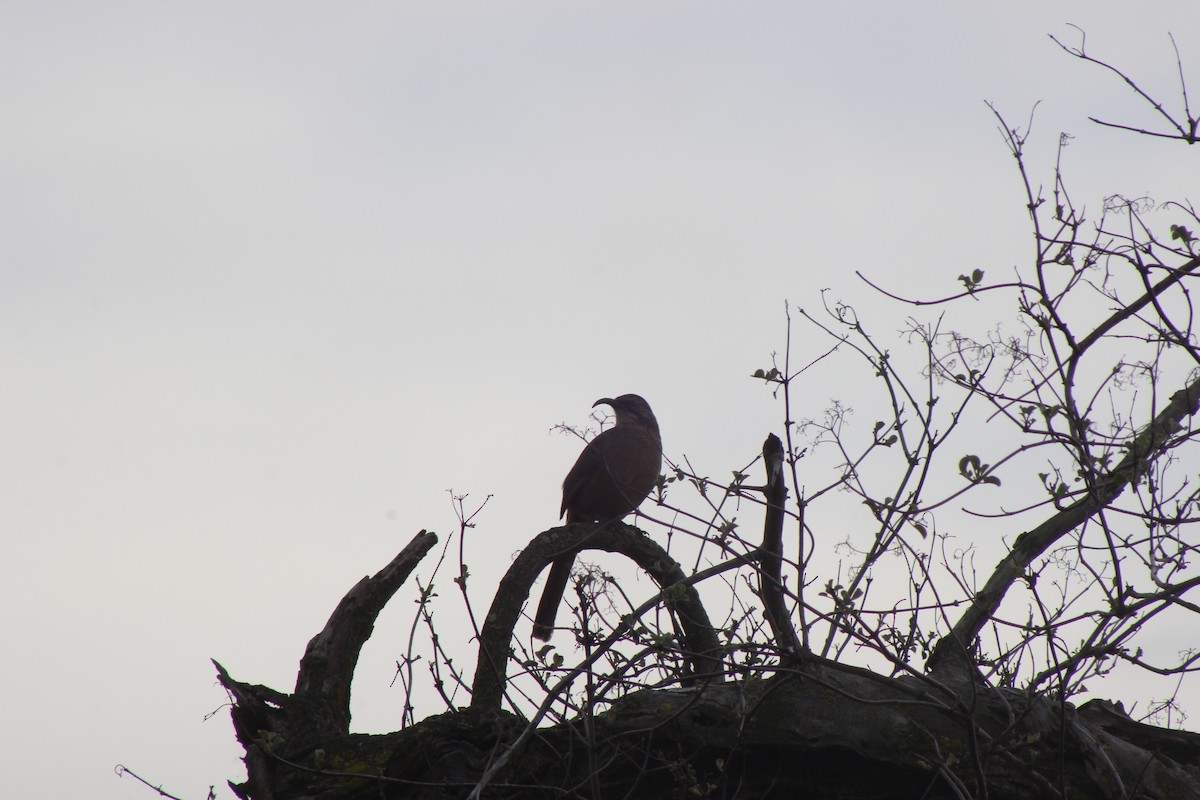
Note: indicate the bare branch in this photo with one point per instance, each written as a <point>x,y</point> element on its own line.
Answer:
<point>1143,450</point>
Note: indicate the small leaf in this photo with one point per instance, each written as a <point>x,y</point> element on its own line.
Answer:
<point>876,509</point>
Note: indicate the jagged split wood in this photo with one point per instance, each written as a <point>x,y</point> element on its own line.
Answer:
<point>268,722</point>
<point>815,729</point>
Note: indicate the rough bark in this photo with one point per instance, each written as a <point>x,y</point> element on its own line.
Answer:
<point>770,559</point>
<point>267,721</point>
<point>823,731</point>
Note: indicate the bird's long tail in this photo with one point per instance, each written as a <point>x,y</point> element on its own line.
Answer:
<point>552,594</point>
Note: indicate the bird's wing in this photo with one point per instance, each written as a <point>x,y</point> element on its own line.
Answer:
<point>585,469</point>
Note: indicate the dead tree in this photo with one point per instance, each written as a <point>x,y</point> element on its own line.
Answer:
<point>963,690</point>
<point>814,729</point>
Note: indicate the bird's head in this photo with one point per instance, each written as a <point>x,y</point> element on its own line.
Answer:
<point>630,409</point>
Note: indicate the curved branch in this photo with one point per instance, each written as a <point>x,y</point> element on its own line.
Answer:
<point>942,300</point>
<point>702,647</point>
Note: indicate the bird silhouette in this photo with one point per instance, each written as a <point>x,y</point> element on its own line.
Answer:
<point>612,476</point>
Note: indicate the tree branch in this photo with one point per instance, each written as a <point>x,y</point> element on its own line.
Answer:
<point>770,586</point>
<point>322,695</point>
<point>950,653</point>
<point>700,640</point>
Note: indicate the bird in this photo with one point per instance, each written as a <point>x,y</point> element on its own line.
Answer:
<point>612,476</point>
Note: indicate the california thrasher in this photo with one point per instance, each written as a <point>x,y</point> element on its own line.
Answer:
<point>612,477</point>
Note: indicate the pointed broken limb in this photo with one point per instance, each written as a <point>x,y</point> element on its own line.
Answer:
<point>770,561</point>
<point>266,720</point>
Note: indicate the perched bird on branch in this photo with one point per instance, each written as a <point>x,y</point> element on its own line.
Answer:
<point>612,477</point>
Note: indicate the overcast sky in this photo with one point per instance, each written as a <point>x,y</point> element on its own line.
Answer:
<point>274,277</point>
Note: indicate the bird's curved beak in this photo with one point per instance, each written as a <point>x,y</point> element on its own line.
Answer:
<point>603,401</point>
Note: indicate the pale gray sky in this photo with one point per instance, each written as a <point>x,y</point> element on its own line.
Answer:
<point>276,276</point>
